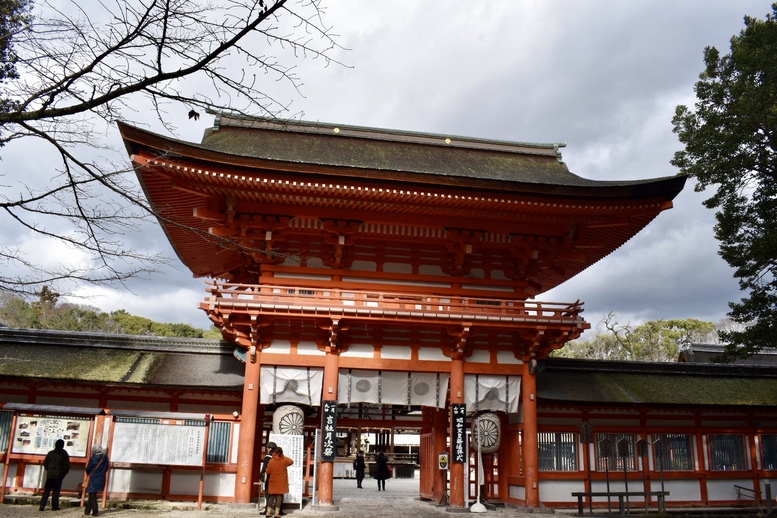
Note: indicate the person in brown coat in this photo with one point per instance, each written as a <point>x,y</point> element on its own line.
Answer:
<point>278,472</point>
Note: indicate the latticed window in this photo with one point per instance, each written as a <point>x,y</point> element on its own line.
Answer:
<point>727,452</point>
<point>6,421</point>
<point>614,451</point>
<point>673,452</point>
<point>769,451</point>
<point>218,442</point>
<point>557,451</point>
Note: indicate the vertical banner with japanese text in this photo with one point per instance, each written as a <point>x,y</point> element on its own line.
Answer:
<point>459,439</point>
<point>328,431</point>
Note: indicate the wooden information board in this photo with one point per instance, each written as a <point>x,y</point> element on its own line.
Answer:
<point>168,444</point>
<point>38,434</point>
<point>292,447</point>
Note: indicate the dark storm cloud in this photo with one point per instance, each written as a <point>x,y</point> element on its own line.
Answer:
<point>603,76</point>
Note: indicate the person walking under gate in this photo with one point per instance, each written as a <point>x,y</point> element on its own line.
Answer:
<point>381,470</point>
<point>359,466</point>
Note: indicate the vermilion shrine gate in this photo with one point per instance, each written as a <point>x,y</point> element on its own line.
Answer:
<point>338,255</point>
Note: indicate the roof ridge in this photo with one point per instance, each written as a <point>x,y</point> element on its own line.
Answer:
<point>390,135</point>
<point>113,341</point>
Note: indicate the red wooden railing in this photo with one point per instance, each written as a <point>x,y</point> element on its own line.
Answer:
<point>288,299</point>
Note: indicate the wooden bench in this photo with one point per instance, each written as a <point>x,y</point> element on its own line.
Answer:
<point>746,494</point>
<point>660,495</point>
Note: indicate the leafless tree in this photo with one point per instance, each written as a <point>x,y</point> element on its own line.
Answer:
<point>654,340</point>
<point>84,65</point>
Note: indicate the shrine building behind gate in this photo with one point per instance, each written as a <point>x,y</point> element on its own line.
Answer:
<point>393,259</point>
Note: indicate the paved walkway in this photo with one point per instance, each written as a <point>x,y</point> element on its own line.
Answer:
<point>400,500</point>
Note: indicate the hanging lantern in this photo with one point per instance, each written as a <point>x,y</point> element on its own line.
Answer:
<point>486,432</point>
<point>288,420</point>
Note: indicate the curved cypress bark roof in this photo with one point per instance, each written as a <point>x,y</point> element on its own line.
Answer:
<point>352,151</point>
<point>251,176</point>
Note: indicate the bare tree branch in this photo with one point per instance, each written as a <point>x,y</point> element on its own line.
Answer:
<point>80,67</point>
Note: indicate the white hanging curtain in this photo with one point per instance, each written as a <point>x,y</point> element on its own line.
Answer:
<point>429,389</point>
<point>291,385</point>
<point>393,388</point>
<point>492,392</point>
<point>358,386</point>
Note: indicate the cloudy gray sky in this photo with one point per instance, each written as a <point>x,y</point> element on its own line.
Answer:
<point>602,76</point>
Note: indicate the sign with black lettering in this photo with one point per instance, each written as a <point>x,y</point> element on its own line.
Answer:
<point>586,433</point>
<point>442,461</point>
<point>144,443</point>
<point>328,431</point>
<point>459,439</point>
<point>292,447</point>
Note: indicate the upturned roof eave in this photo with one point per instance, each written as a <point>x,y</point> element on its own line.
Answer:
<point>137,140</point>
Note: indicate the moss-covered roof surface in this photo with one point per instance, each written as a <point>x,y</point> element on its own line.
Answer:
<point>360,148</point>
<point>332,150</point>
<point>122,359</point>
<point>207,364</point>
<point>605,382</point>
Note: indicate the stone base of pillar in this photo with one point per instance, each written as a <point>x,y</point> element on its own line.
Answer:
<point>325,507</point>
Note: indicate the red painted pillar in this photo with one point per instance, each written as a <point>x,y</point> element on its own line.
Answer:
<point>326,468</point>
<point>458,480</point>
<point>531,465</point>
<point>440,427</point>
<point>247,437</point>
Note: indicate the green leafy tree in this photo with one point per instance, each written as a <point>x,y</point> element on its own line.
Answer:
<point>214,333</point>
<point>48,313</point>
<point>46,305</point>
<point>655,340</point>
<point>74,317</point>
<point>14,17</point>
<point>17,312</point>
<point>134,325</point>
<point>730,143</point>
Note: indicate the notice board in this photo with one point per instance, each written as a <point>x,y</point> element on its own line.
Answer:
<point>37,434</point>
<point>158,443</point>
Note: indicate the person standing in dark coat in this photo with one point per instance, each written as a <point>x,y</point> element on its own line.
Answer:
<point>57,465</point>
<point>359,466</point>
<point>96,468</point>
<point>381,470</point>
<point>264,478</point>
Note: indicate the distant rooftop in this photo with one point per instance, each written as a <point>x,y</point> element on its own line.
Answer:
<point>113,358</point>
<point>708,353</point>
<point>568,381</point>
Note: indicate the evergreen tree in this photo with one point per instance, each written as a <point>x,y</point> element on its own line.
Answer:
<point>731,144</point>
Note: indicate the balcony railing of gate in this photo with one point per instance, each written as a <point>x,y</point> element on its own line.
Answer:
<point>319,301</point>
